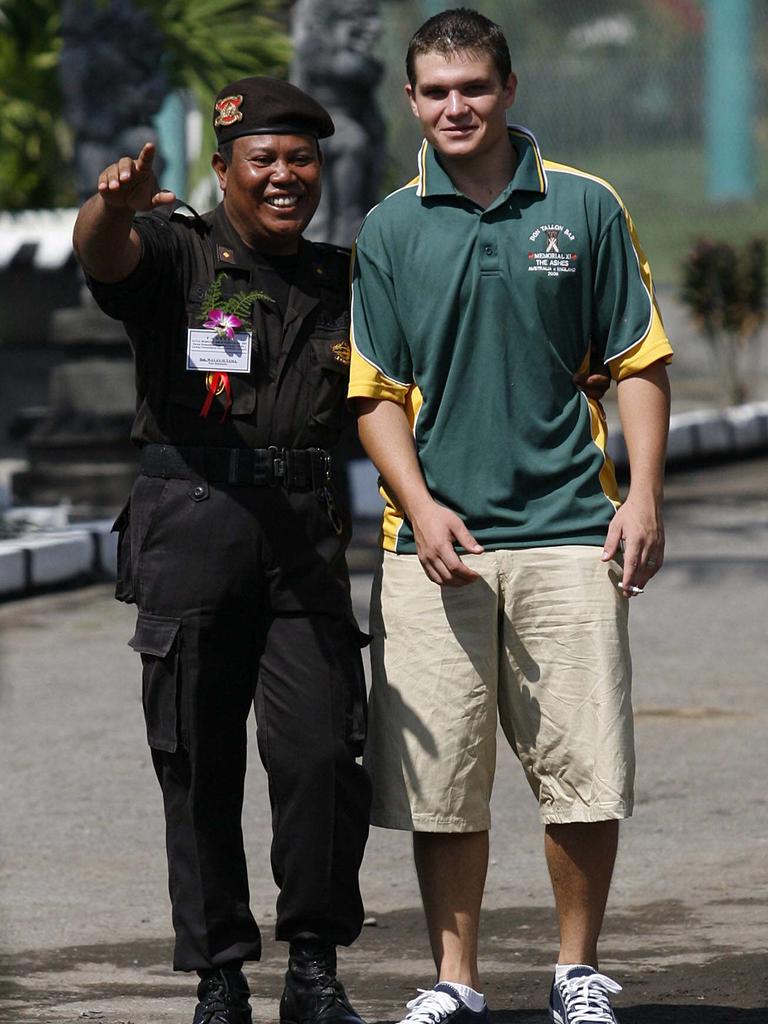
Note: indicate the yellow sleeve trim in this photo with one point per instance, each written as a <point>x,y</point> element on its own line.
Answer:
<point>642,355</point>
<point>367,381</point>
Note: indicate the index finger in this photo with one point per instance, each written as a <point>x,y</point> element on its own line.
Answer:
<point>145,157</point>
<point>631,575</point>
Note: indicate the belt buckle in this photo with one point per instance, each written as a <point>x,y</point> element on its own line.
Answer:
<point>277,465</point>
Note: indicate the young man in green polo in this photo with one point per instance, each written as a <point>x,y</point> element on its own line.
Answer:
<point>479,289</point>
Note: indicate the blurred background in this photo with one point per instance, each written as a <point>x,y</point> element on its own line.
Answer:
<point>639,91</point>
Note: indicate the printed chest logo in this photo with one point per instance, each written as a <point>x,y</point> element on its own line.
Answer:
<point>552,257</point>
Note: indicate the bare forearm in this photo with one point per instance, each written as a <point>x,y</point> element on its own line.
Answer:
<point>104,240</point>
<point>638,525</point>
<point>644,402</point>
<point>386,436</point>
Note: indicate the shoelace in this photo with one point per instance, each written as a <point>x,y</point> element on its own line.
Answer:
<point>429,1007</point>
<point>332,990</point>
<point>216,998</point>
<point>586,998</point>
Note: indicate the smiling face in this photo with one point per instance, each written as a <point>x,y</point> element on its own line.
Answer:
<point>461,103</point>
<point>271,189</point>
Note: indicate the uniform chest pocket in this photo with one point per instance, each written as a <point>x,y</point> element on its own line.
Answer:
<point>188,388</point>
<point>329,356</point>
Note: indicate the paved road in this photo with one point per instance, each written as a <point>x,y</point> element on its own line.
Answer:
<point>84,929</point>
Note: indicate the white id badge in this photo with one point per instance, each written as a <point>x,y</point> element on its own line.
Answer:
<point>210,351</point>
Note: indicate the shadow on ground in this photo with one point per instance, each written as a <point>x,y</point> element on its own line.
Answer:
<point>125,982</point>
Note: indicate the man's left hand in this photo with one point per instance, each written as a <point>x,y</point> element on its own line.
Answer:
<point>638,527</point>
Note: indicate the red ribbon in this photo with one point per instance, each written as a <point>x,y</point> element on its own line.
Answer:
<point>217,379</point>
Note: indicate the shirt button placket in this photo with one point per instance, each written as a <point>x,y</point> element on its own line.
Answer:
<point>489,256</point>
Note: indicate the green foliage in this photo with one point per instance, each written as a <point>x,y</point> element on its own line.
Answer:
<point>725,287</point>
<point>34,144</point>
<point>726,290</point>
<point>212,42</point>
<point>208,43</point>
<point>213,297</point>
<point>238,305</point>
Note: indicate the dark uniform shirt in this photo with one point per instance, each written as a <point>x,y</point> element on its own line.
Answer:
<point>294,395</point>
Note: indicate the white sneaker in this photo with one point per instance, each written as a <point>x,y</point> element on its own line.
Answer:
<point>581,997</point>
<point>442,1005</point>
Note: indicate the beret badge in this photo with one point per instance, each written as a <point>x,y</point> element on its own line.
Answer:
<point>228,111</point>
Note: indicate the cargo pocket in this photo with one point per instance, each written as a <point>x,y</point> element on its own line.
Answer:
<point>124,581</point>
<point>157,639</point>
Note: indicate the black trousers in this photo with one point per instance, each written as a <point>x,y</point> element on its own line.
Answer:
<point>217,632</point>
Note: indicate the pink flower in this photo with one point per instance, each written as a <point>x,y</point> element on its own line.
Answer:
<point>223,323</point>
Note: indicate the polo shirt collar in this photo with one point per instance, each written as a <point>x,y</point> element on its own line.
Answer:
<point>529,175</point>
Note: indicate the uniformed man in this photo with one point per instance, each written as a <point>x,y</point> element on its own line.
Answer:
<point>232,545</point>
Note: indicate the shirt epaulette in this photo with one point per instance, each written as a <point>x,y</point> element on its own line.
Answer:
<point>341,250</point>
<point>183,213</point>
<point>335,261</point>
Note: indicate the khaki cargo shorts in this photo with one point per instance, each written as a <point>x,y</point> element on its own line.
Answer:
<point>539,644</point>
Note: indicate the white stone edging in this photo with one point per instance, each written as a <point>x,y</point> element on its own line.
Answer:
<point>703,433</point>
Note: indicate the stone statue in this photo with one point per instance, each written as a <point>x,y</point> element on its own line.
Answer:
<point>112,82</point>
<point>333,40</point>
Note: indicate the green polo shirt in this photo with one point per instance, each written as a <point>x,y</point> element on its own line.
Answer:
<point>476,320</point>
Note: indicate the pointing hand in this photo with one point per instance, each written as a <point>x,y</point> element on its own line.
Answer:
<point>131,184</point>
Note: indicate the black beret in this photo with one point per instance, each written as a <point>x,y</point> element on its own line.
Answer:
<point>267,106</point>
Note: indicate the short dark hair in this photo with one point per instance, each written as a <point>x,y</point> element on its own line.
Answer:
<point>225,151</point>
<point>460,30</point>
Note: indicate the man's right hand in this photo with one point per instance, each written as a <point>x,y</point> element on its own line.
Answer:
<point>131,184</point>
<point>436,530</point>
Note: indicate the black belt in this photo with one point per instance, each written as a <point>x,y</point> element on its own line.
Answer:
<point>300,469</point>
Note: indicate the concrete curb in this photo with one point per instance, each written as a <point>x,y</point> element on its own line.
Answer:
<point>88,551</point>
<point>706,434</point>
<point>34,561</point>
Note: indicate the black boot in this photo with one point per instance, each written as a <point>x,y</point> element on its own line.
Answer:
<point>313,994</point>
<point>223,997</point>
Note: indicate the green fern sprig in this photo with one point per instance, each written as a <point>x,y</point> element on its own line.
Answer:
<point>238,305</point>
<point>212,297</point>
